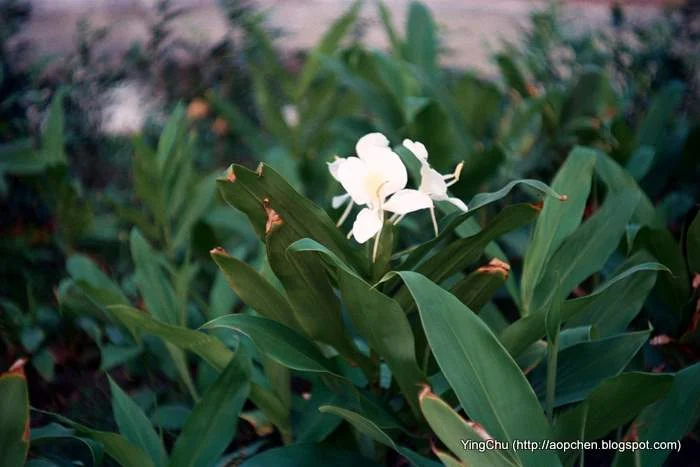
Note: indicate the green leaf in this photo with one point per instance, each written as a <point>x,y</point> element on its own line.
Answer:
<point>586,250</point>
<point>254,289</point>
<point>611,404</point>
<point>371,429</point>
<point>671,418</point>
<point>512,74</point>
<point>328,44</point>
<point>53,135</point>
<point>461,253</point>
<point>476,289</point>
<point>312,297</point>
<point>394,40</point>
<point>378,319</point>
<point>200,199</point>
<point>156,289</point>
<point>674,288</point>
<point>582,366</point>
<point>213,421</point>
<point>168,138</point>
<point>421,46</point>
<point>247,191</point>
<point>457,220</point>
<point>557,220</point>
<point>14,416</point>
<point>135,426</point>
<point>522,333</point>
<point>693,245</point>
<point>652,131</point>
<point>487,381</point>
<point>277,341</point>
<point>612,307</point>
<point>453,431</point>
<point>116,446</point>
<point>209,348</point>
<point>102,289</point>
<point>308,454</point>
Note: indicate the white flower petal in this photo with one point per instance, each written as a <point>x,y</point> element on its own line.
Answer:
<point>418,149</point>
<point>367,223</point>
<point>405,201</point>
<point>339,200</point>
<point>369,141</point>
<point>432,183</point>
<point>334,166</point>
<point>353,174</point>
<point>459,203</point>
<point>387,171</point>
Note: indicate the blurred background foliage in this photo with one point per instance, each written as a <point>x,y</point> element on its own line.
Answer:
<point>95,211</point>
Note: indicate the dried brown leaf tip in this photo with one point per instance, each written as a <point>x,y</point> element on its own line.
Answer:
<point>537,206</point>
<point>496,266</point>
<point>217,251</point>
<point>425,392</point>
<point>273,219</point>
<point>17,368</point>
<point>230,175</point>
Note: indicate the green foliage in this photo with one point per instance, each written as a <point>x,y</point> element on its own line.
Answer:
<point>534,315</point>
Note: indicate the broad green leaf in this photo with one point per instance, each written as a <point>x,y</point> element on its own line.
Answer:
<point>135,426</point>
<point>693,245</point>
<point>461,253</point>
<point>476,289</point>
<point>618,179</point>
<point>53,431</point>
<point>14,415</point>
<point>199,200</point>
<point>421,46</point>
<point>247,191</point>
<point>277,341</point>
<point>254,289</point>
<point>673,288</point>
<point>379,319</point>
<point>84,270</point>
<point>582,366</point>
<point>522,333</point>
<point>455,221</point>
<point>671,418</point>
<point>453,431</point>
<point>558,219</point>
<point>610,405</point>
<point>156,289</point>
<point>116,446</point>
<point>586,250</point>
<point>652,131</point>
<point>213,421</point>
<point>311,295</point>
<point>327,45</point>
<point>487,381</point>
<point>610,310</point>
<point>212,350</point>
<point>371,429</point>
<point>304,454</point>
